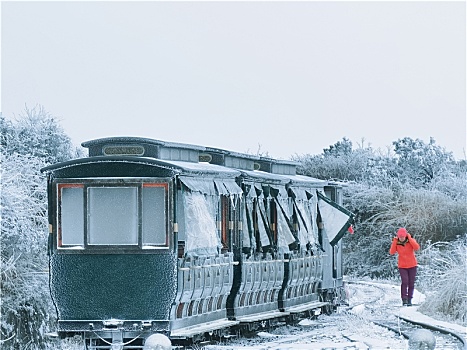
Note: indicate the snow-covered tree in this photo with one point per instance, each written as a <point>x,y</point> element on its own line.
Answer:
<point>338,162</point>
<point>24,263</point>
<point>340,148</point>
<point>35,132</point>
<point>29,143</point>
<point>418,162</point>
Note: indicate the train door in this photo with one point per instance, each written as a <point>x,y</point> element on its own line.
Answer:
<point>335,194</point>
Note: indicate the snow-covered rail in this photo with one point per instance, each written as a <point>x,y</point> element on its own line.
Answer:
<point>440,329</point>
<point>446,338</point>
<point>364,296</point>
<point>374,321</point>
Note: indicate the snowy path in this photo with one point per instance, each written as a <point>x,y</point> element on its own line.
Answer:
<point>391,302</point>
<point>352,329</point>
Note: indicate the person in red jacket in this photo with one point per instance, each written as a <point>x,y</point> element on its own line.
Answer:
<point>405,246</point>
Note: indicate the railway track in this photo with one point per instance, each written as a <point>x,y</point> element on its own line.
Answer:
<point>370,322</point>
<point>404,326</point>
<point>445,339</point>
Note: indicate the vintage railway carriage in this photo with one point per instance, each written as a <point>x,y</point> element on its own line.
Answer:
<point>152,237</point>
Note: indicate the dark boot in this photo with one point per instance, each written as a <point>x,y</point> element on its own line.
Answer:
<point>409,302</point>
<point>404,302</point>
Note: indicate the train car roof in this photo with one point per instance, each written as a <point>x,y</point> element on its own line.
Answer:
<point>195,169</point>
<point>262,176</point>
<point>294,180</point>
<point>301,180</point>
<point>178,167</point>
<point>203,168</point>
<point>131,139</point>
<point>188,160</point>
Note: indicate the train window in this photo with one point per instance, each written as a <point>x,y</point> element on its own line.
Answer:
<point>113,215</point>
<point>273,221</point>
<point>154,214</point>
<point>285,235</point>
<point>224,219</point>
<point>247,244</point>
<point>261,224</point>
<point>303,219</point>
<point>72,215</point>
<point>94,216</point>
<point>200,230</point>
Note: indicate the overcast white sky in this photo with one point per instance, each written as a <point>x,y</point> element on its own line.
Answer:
<point>288,77</point>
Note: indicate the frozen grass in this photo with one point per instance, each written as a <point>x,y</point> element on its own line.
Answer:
<point>443,278</point>
<point>75,343</point>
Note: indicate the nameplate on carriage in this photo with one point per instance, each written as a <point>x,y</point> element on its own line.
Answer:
<point>123,150</point>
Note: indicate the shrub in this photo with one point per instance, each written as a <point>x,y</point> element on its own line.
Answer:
<point>366,252</point>
<point>429,215</point>
<point>31,142</point>
<point>26,302</point>
<point>443,269</point>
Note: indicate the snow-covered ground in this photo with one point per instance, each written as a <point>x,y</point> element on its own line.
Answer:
<point>351,328</point>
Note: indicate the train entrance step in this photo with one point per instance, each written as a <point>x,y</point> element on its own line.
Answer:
<point>191,331</point>
<point>306,307</point>
<point>261,316</point>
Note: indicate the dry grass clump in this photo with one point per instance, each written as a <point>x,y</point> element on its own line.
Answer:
<point>443,276</point>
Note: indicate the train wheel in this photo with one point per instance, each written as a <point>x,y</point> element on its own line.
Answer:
<point>328,297</point>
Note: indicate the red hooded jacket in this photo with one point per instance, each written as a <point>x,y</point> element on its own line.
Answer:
<point>405,250</point>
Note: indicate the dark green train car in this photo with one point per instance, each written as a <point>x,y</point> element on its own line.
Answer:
<point>151,237</point>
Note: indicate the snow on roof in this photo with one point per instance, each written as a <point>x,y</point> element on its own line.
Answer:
<point>259,175</point>
<point>132,139</point>
<point>107,159</point>
<point>176,166</point>
<point>204,168</point>
<point>306,180</point>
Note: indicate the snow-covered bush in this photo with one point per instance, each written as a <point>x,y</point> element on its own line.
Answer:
<point>36,133</point>
<point>452,183</point>
<point>419,162</point>
<point>31,142</point>
<point>25,297</point>
<point>429,215</point>
<point>366,251</point>
<point>338,162</point>
<point>443,277</point>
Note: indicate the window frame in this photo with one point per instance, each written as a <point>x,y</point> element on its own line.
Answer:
<point>224,223</point>
<point>85,184</point>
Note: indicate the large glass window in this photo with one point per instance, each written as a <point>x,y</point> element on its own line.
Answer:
<point>113,215</point>
<point>132,215</point>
